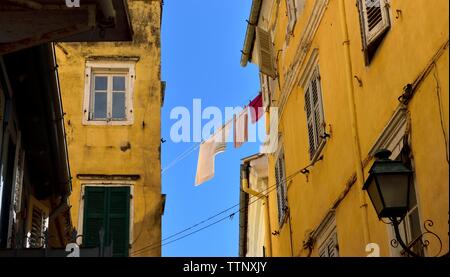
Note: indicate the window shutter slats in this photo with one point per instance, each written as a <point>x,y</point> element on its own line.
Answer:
<point>119,199</point>
<point>329,247</point>
<point>266,61</point>
<point>319,120</point>
<point>94,215</point>
<point>307,103</point>
<point>280,176</point>
<point>314,114</point>
<point>375,19</point>
<point>107,208</point>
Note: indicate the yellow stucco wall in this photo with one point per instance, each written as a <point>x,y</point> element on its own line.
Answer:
<point>403,54</point>
<point>97,149</point>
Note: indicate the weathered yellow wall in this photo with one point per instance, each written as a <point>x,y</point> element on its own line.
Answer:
<point>97,149</point>
<point>404,53</point>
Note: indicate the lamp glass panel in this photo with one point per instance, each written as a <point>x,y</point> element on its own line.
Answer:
<point>375,196</point>
<point>394,189</point>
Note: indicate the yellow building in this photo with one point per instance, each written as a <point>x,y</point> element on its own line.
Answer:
<point>253,216</point>
<point>112,94</point>
<point>350,80</point>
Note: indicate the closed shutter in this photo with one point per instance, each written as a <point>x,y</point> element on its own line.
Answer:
<point>310,121</point>
<point>330,247</point>
<point>281,187</point>
<point>314,114</point>
<point>37,224</point>
<point>318,108</point>
<point>266,61</point>
<point>95,215</point>
<point>107,208</point>
<point>375,18</point>
<point>292,15</point>
<point>119,220</point>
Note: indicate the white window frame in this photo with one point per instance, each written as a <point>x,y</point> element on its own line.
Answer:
<point>311,120</point>
<point>370,37</point>
<point>99,183</point>
<point>327,236</point>
<point>126,68</point>
<point>265,89</point>
<point>291,11</point>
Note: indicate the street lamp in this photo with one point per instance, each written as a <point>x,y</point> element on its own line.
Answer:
<point>388,187</point>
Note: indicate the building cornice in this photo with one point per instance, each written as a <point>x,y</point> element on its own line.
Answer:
<point>292,74</point>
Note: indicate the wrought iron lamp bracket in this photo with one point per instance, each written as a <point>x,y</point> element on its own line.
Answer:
<point>423,239</point>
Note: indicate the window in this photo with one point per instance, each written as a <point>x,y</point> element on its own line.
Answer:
<point>326,237</point>
<point>314,114</point>
<point>294,8</point>
<point>292,16</point>
<point>280,177</point>
<point>265,57</point>
<point>108,93</point>
<point>375,22</point>
<point>38,217</point>
<point>107,209</point>
<point>265,90</point>
<point>329,247</point>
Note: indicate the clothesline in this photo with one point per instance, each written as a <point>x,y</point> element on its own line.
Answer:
<point>211,147</point>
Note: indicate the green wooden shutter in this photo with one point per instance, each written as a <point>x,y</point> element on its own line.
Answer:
<point>95,215</point>
<point>119,220</point>
<point>107,207</point>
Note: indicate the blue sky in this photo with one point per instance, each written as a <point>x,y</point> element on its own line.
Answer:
<point>201,44</point>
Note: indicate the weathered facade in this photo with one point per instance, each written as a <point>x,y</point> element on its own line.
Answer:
<point>35,182</point>
<point>350,80</point>
<point>112,95</point>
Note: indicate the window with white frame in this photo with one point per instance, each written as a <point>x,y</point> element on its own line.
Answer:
<point>314,114</point>
<point>375,22</point>
<point>329,247</point>
<point>292,15</point>
<point>109,93</point>
<point>107,208</point>
<point>293,10</point>
<point>280,178</point>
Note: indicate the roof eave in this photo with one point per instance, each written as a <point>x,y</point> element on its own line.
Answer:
<point>250,33</point>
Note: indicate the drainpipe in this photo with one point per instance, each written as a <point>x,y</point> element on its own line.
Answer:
<point>354,122</point>
<point>265,202</point>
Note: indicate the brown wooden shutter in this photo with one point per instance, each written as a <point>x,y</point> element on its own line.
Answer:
<point>266,60</point>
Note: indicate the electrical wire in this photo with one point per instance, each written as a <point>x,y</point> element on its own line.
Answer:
<point>181,156</point>
<point>157,245</point>
<point>188,151</point>
<point>268,189</point>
